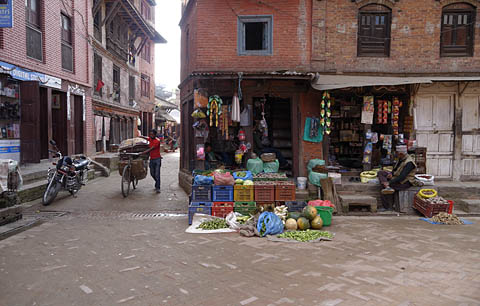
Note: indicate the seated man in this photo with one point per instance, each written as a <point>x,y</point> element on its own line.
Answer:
<point>211,161</point>
<point>262,145</point>
<point>402,178</point>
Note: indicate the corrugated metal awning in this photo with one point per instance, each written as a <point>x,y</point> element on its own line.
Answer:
<point>328,81</point>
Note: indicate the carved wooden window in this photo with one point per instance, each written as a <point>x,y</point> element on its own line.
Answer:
<point>458,22</point>
<point>67,50</point>
<point>374,23</point>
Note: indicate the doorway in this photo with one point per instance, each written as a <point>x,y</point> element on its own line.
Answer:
<point>44,123</point>
<point>59,120</point>
<point>78,122</point>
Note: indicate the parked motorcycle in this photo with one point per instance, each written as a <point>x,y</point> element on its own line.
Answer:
<point>69,174</point>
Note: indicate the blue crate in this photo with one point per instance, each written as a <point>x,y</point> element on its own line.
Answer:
<point>222,193</point>
<point>296,205</point>
<point>201,193</point>
<point>199,207</point>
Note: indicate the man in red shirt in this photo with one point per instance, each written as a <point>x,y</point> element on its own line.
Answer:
<point>155,157</point>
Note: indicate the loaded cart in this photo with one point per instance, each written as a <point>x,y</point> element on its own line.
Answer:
<point>132,165</point>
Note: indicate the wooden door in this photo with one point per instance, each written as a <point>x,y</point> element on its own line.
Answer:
<point>59,121</point>
<point>30,122</point>
<point>471,135</point>
<point>434,117</point>
<point>44,123</point>
<point>78,123</point>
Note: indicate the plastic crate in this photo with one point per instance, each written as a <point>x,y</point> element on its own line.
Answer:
<point>267,206</point>
<point>429,209</point>
<point>325,213</point>
<point>296,205</point>
<point>243,193</point>
<point>222,209</point>
<point>245,208</point>
<point>199,208</point>
<point>285,192</point>
<point>222,193</point>
<point>201,193</point>
<point>264,193</point>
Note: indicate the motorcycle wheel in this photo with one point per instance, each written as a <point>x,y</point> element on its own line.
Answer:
<point>51,192</point>
<point>126,181</point>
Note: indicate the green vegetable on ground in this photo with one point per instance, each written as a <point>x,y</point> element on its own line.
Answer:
<point>305,236</point>
<point>213,224</point>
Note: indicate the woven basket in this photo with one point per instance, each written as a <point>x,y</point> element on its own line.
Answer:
<point>139,170</point>
<point>268,157</point>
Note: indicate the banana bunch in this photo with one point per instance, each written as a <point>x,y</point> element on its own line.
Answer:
<point>281,212</point>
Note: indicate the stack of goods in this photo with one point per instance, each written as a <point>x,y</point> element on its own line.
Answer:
<point>447,219</point>
<point>396,115</point>
<point>429,203</point>
<point>382,111</point>
<point>139,163</point>
<point>270,177</point>
<point>265,195</point>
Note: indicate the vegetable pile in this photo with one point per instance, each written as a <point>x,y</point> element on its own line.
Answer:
<point>448,219</point>
<point>437,200</point>
<point>305,236</point>
<point>213,224</point>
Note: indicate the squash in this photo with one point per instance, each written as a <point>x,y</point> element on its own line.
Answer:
<point>317,223</point>
<point>310,212</point>
<point>291,224</point>
<point>303,223</point>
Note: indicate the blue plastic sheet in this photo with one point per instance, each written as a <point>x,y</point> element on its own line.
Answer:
<point>273,224</point>
<point>433,222</point>
<point>203,180</point>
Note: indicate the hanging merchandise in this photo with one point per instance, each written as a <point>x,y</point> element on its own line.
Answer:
<point>314,127</point>
<point>201,128</point>
<point>198,114</point>
<point>374,137</point>
<point>325,113</point>
<point>245,116</point>
<point>367,110</point>
<point>214,107</point>
<point>396,115</point>
<point>235,109</point>
<point>367,153</point>
<point>224,120</point>
<point>387,143</point>
<point>307,131</point>
<point>263,123</point>
<point>241,135</point>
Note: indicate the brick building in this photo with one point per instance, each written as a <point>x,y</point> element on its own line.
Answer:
<point>45,80</point>
<point>123,69</point>
<point>284,56</point>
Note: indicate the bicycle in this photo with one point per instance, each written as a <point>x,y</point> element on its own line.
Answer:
<point>127,176</point>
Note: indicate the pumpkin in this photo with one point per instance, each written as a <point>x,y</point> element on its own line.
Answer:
<point>291,224</point>
<point>310,212</point>
<point>303,223</point>
<point>317,222</point>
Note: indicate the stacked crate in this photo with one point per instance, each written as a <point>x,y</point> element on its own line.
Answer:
<point>244,196</point>
<point>264,193</point>
<point>222,201</point>
<point>201,201</point>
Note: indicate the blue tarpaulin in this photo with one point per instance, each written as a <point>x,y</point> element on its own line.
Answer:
<point>433,222</point>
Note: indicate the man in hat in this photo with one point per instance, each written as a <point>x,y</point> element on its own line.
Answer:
<point>402,177</point>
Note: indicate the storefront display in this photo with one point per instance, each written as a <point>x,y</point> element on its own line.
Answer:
<point>9,119</point>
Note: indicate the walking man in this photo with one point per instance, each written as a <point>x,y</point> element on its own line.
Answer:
<point>155,157</point>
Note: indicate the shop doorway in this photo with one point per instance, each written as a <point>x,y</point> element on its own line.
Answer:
<point>279,120</point>
<point>30,123</point>
<point>435,115</point>
<point>59,120</point>
<point>44,123</point>
<point>78,123</point>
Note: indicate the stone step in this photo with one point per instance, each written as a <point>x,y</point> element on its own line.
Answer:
<point>358,201</point>
<point>469,205</point>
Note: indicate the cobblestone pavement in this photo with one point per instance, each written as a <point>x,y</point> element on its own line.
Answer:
<point>109,251</point>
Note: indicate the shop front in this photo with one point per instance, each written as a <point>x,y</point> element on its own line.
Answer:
<point>27,113</point>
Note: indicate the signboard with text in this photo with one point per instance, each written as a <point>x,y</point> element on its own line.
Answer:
<point>6,14</point>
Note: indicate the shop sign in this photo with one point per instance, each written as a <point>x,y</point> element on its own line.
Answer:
<point>25,75</point>
<point>6,14</point>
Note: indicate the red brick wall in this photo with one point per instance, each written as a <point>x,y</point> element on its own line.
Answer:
<point>214,41</point>
<point>147,104</point>
<point>415,45</point>
<point>15,50</point>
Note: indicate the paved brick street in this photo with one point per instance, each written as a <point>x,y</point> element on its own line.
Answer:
<point>102,253</point>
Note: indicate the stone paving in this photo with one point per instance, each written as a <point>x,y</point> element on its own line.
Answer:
<point>113,251</point>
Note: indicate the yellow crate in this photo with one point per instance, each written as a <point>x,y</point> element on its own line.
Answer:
<point>243,193</point>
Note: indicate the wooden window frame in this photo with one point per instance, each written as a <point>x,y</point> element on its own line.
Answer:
<point>145,10</point>
<point>369,13</point>
<point>145,85</point>
<point>67,41</point>
<point>97,73</point>
<point>468,50</point>
<point>241,35</point>
<point>131,88</point>
<point>146,51</point>
<point>97,29</point>
<point>33,17</point>
<point>34,26</point>
<point>116,84</point>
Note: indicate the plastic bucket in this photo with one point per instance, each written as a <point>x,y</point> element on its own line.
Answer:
<point>302,182</point>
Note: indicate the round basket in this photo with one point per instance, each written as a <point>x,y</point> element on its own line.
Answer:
<point>366,176</point>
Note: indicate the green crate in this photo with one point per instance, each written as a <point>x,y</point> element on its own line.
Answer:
<point>325,213</point>
<point>245,208</point>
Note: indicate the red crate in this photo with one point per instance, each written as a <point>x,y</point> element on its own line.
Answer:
<point>222,209</point>
<point>285,193</point>
<point>429,209</point>
<point>264,193</point>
